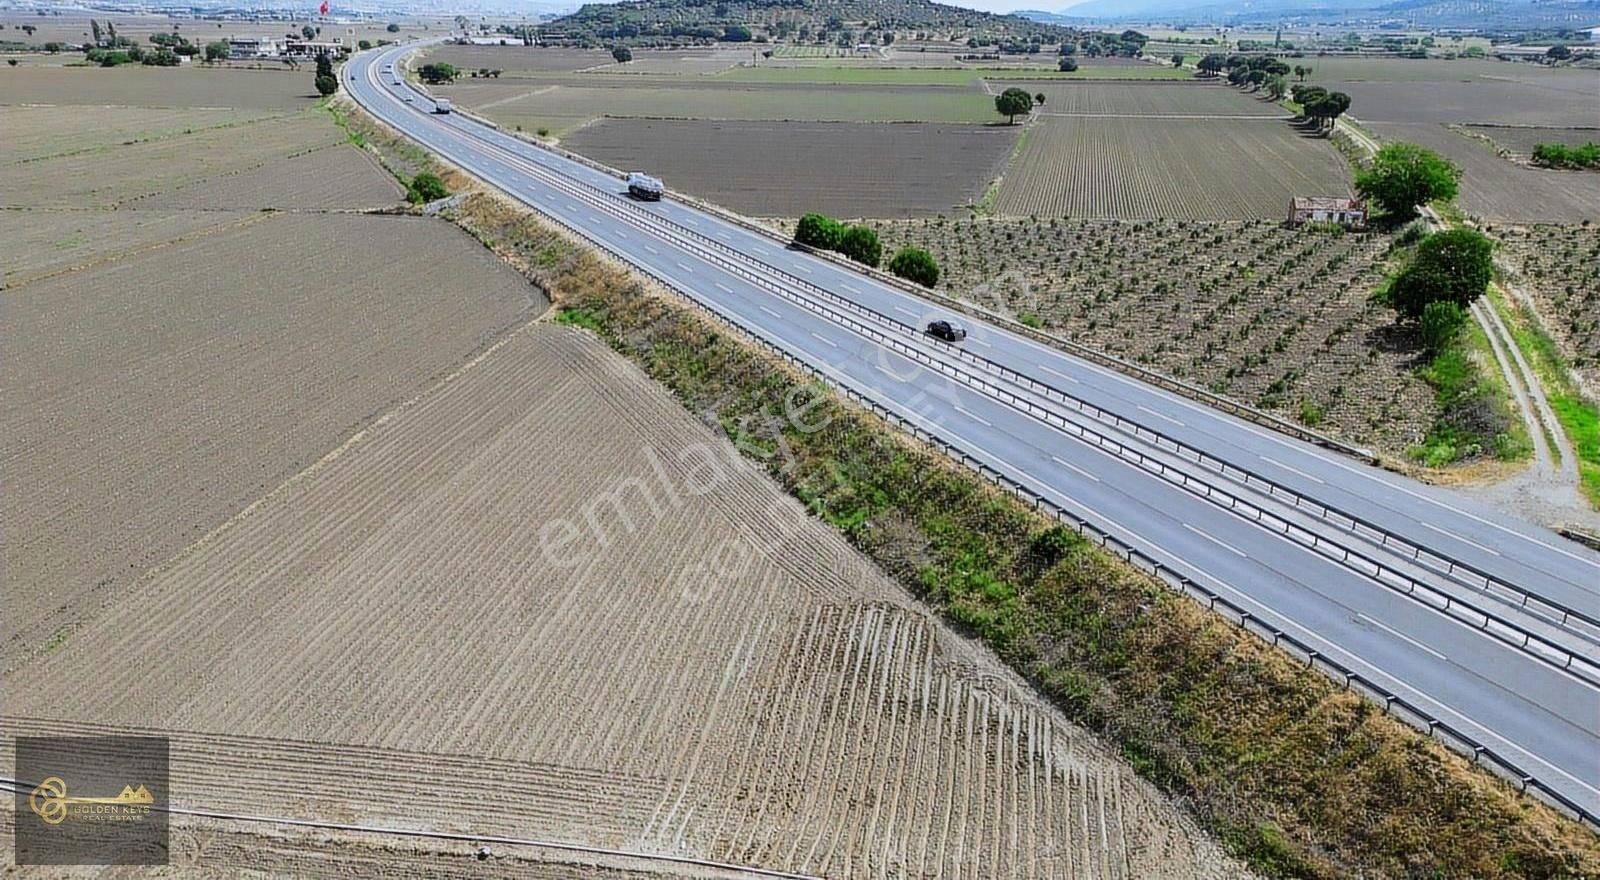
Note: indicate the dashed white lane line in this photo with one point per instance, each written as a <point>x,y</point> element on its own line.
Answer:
<point>973,416</point>
<point>802,267</point>
<point>651,249</point>
<point>684,268</point>
<point>1293,470</point>
<point>1162,416</point>
<point>770,312</point>
<point>761,251</point>
<point>824,339</point>
<point>979,342</point>
<point>1059,373</point>
<point>572,208</point>
<point>905,311</point>
<point>724,236</point>
<point>1068,464</point>
<point>691,221</point>
<point>723,287</point>
<point>621,234</point>
<point>848,287</point>
<point>1400,635</point>
<point>1435,528</point>
<point>1220,543</point>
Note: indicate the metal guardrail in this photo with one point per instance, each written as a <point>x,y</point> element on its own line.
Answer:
<point>1393,705</point>
<point>1509,633</point>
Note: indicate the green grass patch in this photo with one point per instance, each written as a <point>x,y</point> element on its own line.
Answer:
<point>1293,775</point>
<point>1579,417</point>
<point>1474,404</point>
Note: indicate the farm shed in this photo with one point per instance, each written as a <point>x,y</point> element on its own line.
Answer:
<point>1319,209</point>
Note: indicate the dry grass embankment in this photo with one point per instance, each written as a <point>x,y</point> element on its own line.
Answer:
<point>1288,771</point>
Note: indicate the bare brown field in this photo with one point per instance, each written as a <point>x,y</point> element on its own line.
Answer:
<point>709,671</point>
<point>1208,169</point>
<point>1521,139</point>
<point>153,397</point>
<point>1564,102</point>
<point>34,133</point>
<point>192,86</point>
<point>120,174</point>
<point>1272,317</point>
<point>72,26</point>
<point>1560,267</point>
<point>952,163</point>
<point>339,176</point>
<point>40,242</point>
<point>518,58</point>
<point>1498,189</point>
<point>1150,98</point>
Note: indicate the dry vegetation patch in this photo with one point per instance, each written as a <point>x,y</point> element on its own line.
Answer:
<point>1273,317</point>
<point>194,86</point>
<point>1209,169</point>
<point>1560,267</point>
<point>34,133</point>
<point>767,169</point>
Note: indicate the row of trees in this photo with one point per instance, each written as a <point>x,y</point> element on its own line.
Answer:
<point>1320,105</point>
<point>435,73</point>
<point>326,82</point>
<point>860,243</point>
<point>1564,156</point>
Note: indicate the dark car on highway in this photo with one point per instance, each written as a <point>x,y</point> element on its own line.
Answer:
<point>946,331</point>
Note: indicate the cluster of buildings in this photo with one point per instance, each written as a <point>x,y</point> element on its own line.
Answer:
<point>267,48</point>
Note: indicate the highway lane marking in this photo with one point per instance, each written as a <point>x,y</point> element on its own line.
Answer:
<point>905,311</point>
<point>722,287</point>
<point>1219,542</point>
<point>1080,470</point>
<point>1435,528</point>
<point>621,234</point>
<point>1401,636</point>
<point>652,250</point>
<point>1161,415</point>
<point>691,221</point>
<point>1058,373</point>
<point>1291,470</point>
<point>770,312</point>
<point>724,236</point>
<point>684,268</point>
<point>572,208</point>
<point>974,416</point>
<point>979,342</point>
<point>848,287</point>
<point>761,251</point>
<point>822,339</point>
<point>801,267</point>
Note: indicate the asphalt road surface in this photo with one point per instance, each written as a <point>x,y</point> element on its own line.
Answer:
<point>1468,665</point>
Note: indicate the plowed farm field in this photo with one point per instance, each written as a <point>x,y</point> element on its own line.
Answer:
<point>952,162</point>
<point>155,394</point>
<point>173,87</point>
<point>544,586</point>
<point>1205,169</point>
<point>1181,100</point>
<point>1498,189</point>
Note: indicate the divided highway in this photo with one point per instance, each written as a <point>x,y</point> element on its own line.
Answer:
<point>1484,623</point>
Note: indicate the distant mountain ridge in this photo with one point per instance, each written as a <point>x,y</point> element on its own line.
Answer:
<point>1425,13</point>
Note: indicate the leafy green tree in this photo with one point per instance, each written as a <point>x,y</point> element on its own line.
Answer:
<point>1013,102</point>
<point>622,54</point>
<point>217,51</point>
<point>861,244</point>
<point>917,265</point>
<point>309,32</point>
<point>1212,64</point>
<point>438,72</point>
<point>393,28</point>
<point>327,85</point>
<point>1453,266</point>
<point>819,231</point>
<point>1177,59</point>
<point>1067,65</point>
<point>736,33</point>
<point>1558,52</point>
<point>1441,325</point>
<point>1276,86</point>
<point>363,45</point>
<point>1403,176</point>
<point>324,65</point>
<point>1301,72</point>
<point>1039,99</point>
<point>426,187</point>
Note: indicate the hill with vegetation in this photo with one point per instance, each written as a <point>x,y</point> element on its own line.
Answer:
<point>685,22</point>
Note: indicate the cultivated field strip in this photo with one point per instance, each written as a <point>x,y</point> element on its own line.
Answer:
<point>338,176</point>
<point>119,174</point>
<point>1501,190</point>
<point>143,411</point>
<point>34,133</point>
<point>159,88</point>
<point>43,242</point>
<point>1161,168</point>
<point>1153,98</point>
<point>953,163</point>
<point>714,674</point>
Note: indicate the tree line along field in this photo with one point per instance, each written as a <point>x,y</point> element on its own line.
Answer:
<point>1204,169</point>
<point>895,170</point>
<point>1272,317</point>
<point>1187,99</point>
<point>714,673</point>
<point>1497,189</point>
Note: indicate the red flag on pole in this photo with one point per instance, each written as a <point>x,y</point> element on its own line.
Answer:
<point>323,8</point>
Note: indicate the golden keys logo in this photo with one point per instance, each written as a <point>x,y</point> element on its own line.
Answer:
<point>51,802</point>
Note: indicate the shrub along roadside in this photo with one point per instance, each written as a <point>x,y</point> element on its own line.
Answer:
<point>1294,775</point>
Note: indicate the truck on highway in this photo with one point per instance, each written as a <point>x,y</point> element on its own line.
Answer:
<point>644,187</point>
<point>441,105</point>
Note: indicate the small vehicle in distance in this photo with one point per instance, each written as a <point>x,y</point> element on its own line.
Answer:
<point>441,105</point>
<point>644,187</point>
<point>946,331</point>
